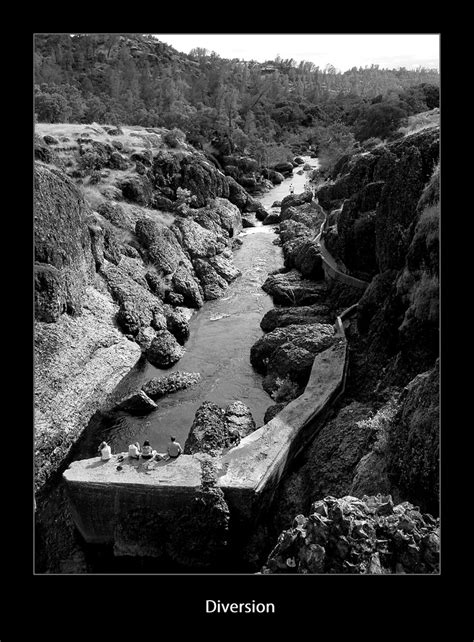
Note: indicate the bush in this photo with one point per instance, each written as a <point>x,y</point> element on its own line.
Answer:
<point>174,138</point>
<point>286,391</point>
<point>379,120</point>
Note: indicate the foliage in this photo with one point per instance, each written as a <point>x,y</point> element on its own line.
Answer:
<point>174,137</point>
<point>286,390</point>
<point>233,105</point>
<point>332,142</point>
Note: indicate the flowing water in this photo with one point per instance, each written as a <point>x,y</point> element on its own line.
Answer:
<point>221,335</point>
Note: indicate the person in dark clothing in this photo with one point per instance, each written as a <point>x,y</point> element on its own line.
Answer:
<point>147,450</point>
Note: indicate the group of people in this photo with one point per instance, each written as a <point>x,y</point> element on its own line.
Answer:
<point>307,187</point>
<point>173,451</point>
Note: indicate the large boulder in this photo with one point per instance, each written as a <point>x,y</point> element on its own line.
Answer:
<point>239,418</point>
<point>281,317</point>
<point>164,350</point>
<point>272,411</point>
<point>196,241</point>
<point>138,306</point>
<point>177,323</point>
<point>64,261</point>
<point>304,255</point>
<point>291,289</point>
<point>184,284</point>
<point>137,404</point>
<point>160,386</point>
<point>289,352</point>
<point>137,189</point>
<point>224,267</point>
<point>358,536</point>
<point>237,194</point>
<point>295,200</point>
<point>114,213</point>
<point>203,179</point>
<point>285,168</point>
<point>243,163</point>
<point>272,218</point>
<point>247,222</point>
<point>215,429</point>
<point>220,216</point>
<point>162,246</point>
<point>117,161</point>
<point>212,283</point>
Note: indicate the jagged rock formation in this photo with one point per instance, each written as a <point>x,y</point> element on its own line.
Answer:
<point>379,192</point>
<point>215,428</point>
<point>290,288</point>
<point>413,441</point>
<point>79,361</point>
<point>288,353</point>
<point>137,404</point>
<point>300,314</point>
<point>161,386</point>
<point>64,263</point>
<point>363,536</point>
<point>80,356</point>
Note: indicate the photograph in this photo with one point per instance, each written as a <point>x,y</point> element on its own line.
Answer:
<point>236,317</point>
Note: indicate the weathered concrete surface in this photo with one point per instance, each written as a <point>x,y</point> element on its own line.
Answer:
<point>332,270</point>
<point>100,495</point>
<point>261,457</point>
<point>247,474</point>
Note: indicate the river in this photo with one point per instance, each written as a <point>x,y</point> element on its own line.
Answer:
<point>221,335</point>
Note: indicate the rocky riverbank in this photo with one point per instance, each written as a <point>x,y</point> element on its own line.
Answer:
<point>134,229</point>
<point>382,437</point>
<point>130,229</point>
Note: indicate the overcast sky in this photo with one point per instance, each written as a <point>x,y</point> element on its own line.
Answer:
<point>341,50</point>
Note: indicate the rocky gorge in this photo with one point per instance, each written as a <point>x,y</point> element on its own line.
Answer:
<point>380,443</point>
<point>116,282</point>
<point>131,235</point>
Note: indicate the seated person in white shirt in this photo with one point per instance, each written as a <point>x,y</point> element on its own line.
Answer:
<point>105,451</point>
<point>134,450</point>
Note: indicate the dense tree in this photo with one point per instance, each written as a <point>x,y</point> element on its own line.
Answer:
<point>238,105</point>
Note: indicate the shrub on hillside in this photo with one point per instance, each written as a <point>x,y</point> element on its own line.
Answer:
<point>174,138</point>
<point>379,120</point>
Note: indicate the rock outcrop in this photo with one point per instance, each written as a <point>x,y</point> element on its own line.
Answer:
<point>215,429</point>
<point>379,193</point>
<point>164,351</point>
<point>64,263</point>
<point>137,404</point>
<point>288,353</point>
<point>363,536</point>
<point>160,386</point>
<point>413,442</point>
<point>302,314</point>
<point>289,288</point>
<point>79,362</point>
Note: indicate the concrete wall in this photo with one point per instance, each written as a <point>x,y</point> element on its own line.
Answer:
<point>331,269</point>
<point>248,474</point>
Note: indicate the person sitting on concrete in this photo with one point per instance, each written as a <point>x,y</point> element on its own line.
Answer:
<point>174,449</point>
<point>134,450</point>
<point>105,451</point>
<point>147,450</point>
